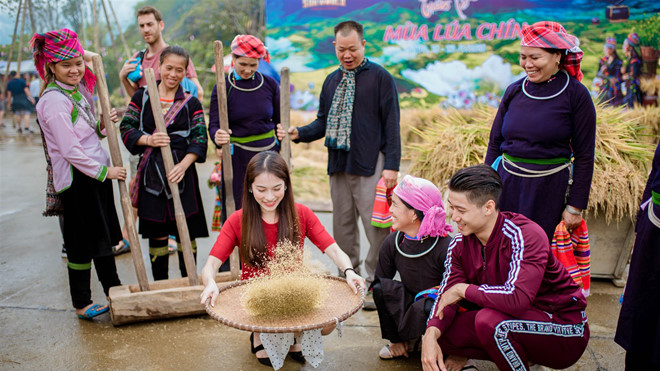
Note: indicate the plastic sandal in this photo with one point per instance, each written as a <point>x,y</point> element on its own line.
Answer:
<point>126,247</point>
<point>94,311</point>
<point>171,247</point>
<point>385,352</point>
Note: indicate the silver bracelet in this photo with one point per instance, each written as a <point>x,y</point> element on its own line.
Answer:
<point>572,210</point>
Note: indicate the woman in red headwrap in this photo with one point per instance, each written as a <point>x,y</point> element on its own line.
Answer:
<point>79,170</point>
<point>253,108</point>
<point>543,136</point>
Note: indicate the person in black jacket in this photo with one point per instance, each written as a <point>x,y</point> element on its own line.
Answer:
<point>359,117</point>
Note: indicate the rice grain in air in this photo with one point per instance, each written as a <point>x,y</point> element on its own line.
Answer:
<point>290,290</point>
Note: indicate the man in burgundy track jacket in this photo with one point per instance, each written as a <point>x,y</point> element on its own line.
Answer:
<point>504,296</point>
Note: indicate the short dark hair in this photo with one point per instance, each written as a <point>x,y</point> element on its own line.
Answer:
<point>12,73</point>
<point>346,27</point>
<point>480,183</point>
<point>176,50</point>
<point>150,10</point>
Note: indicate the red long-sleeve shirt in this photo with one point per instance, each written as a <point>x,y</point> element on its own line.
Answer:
<point>515,270</point>
<point>230,237</point>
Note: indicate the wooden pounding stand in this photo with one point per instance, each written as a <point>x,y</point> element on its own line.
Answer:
<point>115,155</point>
<point>161,299</point>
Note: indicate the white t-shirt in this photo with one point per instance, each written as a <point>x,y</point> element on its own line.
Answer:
<point>35,87</point>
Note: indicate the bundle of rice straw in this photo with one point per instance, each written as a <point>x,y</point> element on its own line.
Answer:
<point>290,289</point>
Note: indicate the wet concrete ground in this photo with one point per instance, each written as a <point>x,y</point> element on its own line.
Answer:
<point>39,330</point>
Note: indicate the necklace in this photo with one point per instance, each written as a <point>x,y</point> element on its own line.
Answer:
<point>411,256</point>
<point>232,82</point>
<point>568,79</point>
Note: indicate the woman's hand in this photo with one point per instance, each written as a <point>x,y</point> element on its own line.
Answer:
<point>113,115</point>
<point>280,132</point>
<point>572,221</point>
<point>354,280</point>
<point>179,170</point>
<point>177,173</point>
<point>116,172</point>
<point>222,137</point>
<point>210,291</point>
<point>158,139</point>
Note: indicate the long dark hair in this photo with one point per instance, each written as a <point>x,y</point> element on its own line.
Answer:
<point>253,250</point>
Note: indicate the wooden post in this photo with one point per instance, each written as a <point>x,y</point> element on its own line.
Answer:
<point>107,22</point>
<point>285,114</point>
<point>34,26</point>
<point>227,172</point>
<point>168,161</point>
<point>115,155</point>
<point>121,34</point>
<point>20,41</point>
<point>11,49</point>
<point>97,46</point>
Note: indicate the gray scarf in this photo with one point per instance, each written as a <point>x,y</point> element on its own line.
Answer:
<point>338,125</point>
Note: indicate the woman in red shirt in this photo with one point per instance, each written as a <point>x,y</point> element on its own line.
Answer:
<point>269,215</point>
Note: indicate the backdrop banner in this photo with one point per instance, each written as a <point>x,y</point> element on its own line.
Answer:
<point>441,52</point>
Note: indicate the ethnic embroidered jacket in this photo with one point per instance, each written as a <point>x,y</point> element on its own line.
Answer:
<point>187,135</point>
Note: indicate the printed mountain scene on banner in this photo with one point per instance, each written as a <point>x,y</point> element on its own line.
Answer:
<point>441,52</point>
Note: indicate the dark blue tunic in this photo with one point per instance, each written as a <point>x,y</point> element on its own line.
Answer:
<point>545,129</point>
<point>249,113</point>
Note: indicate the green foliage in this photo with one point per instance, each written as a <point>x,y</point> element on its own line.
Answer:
<point>649,31</point>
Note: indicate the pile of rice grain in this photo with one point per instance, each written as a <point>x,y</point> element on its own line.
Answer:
<point>290,290</point>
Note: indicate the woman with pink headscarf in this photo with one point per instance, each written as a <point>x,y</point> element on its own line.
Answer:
<point>543,137</point>
<point>79,170</point>
<point>417,251</point>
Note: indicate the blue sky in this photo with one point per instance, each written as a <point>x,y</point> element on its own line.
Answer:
<point>123,9</point>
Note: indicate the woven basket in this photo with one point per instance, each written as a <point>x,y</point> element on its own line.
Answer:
<point>340,304</point>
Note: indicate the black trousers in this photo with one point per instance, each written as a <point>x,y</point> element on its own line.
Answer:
<point>79,280</point>
<point>391,325</point>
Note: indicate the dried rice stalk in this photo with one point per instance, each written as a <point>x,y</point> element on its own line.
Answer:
<point>289,291</point>
<point>650,86</point>
<point>621,163</point>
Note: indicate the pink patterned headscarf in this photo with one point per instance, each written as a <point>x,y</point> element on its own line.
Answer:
<point>57,46</point>
<point>553,35</point>
<point>424,196</point>
<point>249,46</point>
